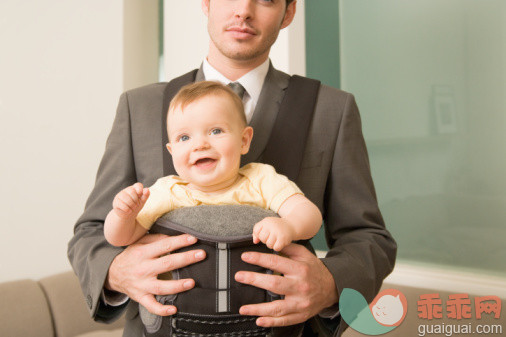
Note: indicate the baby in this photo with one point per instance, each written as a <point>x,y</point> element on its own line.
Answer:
<point>208,133</point>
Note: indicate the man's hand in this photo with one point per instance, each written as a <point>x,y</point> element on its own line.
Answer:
<point>134,271</point>
<point>306,283</point>
<point>276,233</point>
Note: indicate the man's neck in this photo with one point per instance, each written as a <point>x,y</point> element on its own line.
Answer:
<point>234,69</point>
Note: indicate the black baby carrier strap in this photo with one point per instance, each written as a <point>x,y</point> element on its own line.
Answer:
<point>170,91</point>
<point>287,142</point>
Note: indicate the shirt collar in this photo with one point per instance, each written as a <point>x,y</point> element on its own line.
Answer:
<point>252,81</point>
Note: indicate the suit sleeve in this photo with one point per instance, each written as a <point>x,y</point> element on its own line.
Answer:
<point>361,251</point>
<point>88,251</point>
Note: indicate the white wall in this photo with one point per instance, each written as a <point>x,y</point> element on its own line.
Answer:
<point>186,40</point>
<point>60,79</point>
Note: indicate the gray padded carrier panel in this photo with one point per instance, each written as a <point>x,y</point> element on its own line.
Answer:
<point>223,223</point>
<point>212,307</point>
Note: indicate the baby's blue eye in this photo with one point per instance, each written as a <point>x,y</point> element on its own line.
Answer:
<point>216,131</point>
<point>184,138</point>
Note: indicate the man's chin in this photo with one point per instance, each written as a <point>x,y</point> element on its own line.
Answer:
<point>240,53</point>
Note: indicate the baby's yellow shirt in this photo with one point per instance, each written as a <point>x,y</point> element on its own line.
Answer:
<point>257,185</point>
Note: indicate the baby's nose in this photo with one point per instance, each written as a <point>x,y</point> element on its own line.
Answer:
<point>201,143</point>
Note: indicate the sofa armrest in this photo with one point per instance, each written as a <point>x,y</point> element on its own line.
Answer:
<point>24,310</point>
<point>68,307</point>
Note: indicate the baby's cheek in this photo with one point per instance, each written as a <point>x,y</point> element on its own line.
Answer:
<point>181,160</point>
<point>231,150</point>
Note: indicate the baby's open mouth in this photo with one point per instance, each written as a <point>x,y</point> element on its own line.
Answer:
<point>204,161</point>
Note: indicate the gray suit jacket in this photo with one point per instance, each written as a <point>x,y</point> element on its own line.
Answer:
<point>335,175</point>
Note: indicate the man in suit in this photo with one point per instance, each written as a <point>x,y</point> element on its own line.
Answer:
<point>334,174</point>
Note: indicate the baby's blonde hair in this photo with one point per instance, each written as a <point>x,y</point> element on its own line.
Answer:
<point>195,91</point>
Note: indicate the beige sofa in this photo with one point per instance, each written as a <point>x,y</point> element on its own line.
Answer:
<point>51,307</point>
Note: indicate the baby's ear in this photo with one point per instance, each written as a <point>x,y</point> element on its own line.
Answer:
<point>247,136</point>
<point>169,147</point>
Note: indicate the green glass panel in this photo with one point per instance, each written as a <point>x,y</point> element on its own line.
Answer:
<point>322,41</point>
<point>430,81</point>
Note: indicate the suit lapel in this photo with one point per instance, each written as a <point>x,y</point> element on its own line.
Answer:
<point>266,112</point>
<point>200,75</point>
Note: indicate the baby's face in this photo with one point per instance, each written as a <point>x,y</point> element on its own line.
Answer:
<point>206,140</point>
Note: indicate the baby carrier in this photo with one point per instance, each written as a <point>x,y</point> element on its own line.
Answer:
<point>211,308</point>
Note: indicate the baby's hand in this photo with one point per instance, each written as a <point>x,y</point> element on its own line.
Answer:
<point>276,233</point>
<point>129,201</point>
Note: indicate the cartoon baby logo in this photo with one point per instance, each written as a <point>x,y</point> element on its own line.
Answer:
<point>389,307</point>
<point>385,313</point>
